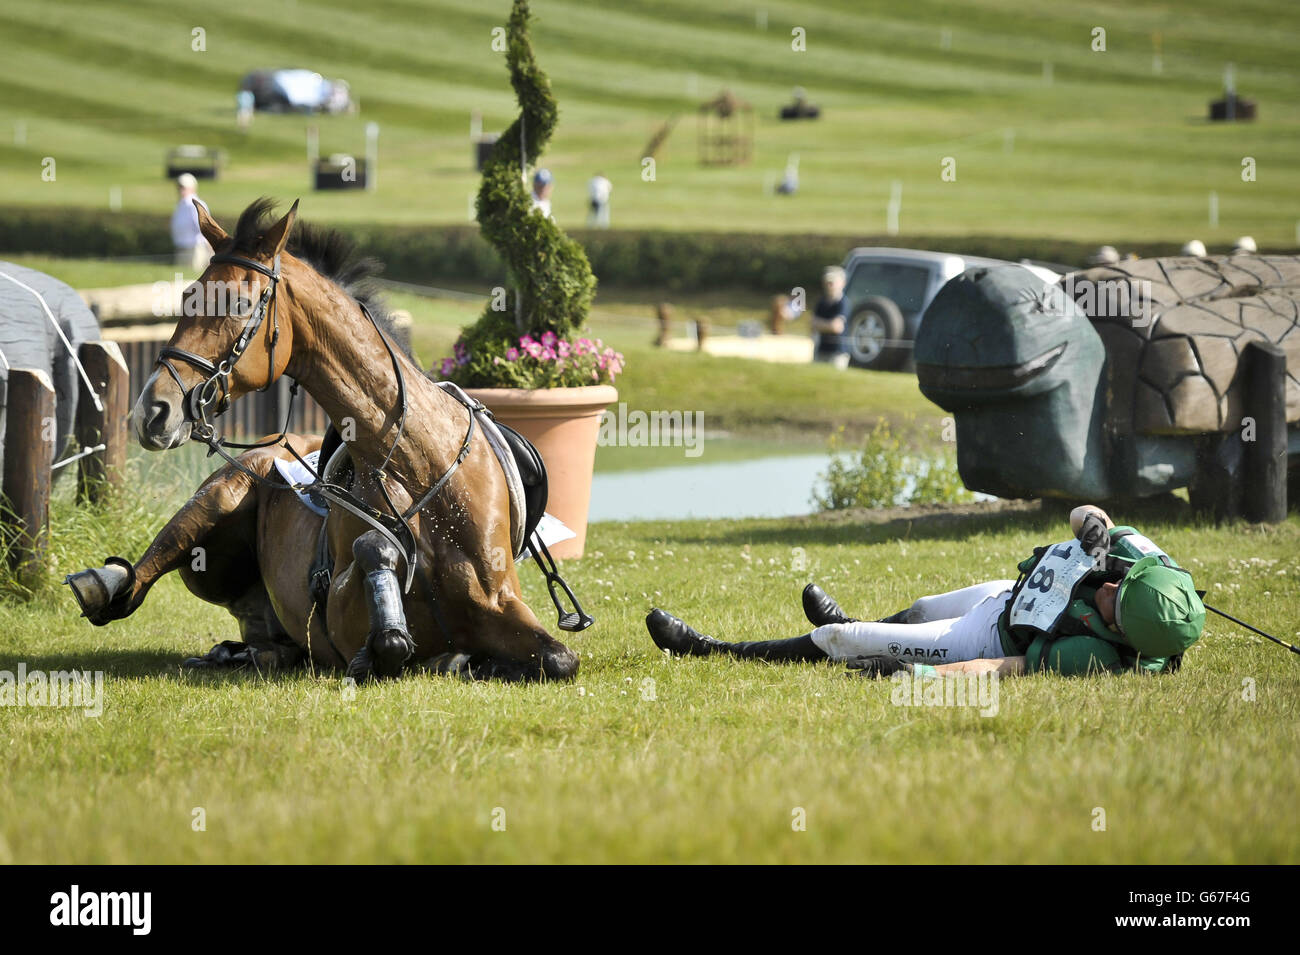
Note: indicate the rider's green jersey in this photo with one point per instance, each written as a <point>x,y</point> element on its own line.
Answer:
<point>1084,643</point>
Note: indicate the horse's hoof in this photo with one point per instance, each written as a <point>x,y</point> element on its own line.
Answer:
<point>227,655</point>
<point>389,651</point>
<point>360,667</point>
<point>102,592</point>
<point>449,664</point>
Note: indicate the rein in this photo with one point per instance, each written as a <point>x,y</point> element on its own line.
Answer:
<point>212,397</point>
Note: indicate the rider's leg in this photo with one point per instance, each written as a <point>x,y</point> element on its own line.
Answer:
<point>955,603</point>
<point>971,636</point>
<point>670,633</point>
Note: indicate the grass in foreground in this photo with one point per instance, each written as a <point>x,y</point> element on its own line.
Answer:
<point>650,759</point>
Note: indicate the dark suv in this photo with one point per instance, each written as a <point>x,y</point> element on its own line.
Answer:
<point>888,292</point>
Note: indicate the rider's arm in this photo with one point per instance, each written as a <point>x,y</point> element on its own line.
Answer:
<point>1002,666</point>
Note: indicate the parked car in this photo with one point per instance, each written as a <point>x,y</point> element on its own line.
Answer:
<point>888,292</point>
<point>306,91</point>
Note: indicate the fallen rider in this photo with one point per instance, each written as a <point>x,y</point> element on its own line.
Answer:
<point>1108,600</point>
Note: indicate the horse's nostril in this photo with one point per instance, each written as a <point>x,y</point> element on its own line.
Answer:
<point>159,412</point>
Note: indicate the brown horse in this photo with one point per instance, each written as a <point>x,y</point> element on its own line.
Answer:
<point>462,611</point>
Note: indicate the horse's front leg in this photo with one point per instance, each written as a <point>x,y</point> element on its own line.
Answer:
<point>373,575</point>
<point>222,509</point>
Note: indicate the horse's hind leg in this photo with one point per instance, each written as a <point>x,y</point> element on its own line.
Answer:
<point>505,642</point>
<point>388,645</point>
<point>266,647</point>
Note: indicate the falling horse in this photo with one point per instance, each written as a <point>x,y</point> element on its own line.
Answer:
<point>415,563</point>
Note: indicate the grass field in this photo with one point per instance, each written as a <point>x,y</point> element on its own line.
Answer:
<point>650,759</point>
<point>645,758</point>
<point>1106,149</point>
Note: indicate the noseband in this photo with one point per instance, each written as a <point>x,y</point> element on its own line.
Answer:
<point>212,395</point>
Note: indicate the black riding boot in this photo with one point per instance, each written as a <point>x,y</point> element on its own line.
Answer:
<point>821,609</point>
<point>676,636</point>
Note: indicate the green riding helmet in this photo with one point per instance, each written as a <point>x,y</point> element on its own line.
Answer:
<point>1158,610</point>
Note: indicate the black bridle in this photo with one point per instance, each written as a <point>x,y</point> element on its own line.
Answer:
<point>212,395</point>
<point>210,398</point>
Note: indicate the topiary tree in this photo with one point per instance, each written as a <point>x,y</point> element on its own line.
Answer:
<point>550,280</point>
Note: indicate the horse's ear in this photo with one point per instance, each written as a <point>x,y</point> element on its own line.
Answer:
<point>277,237</point>
<point>208,225</point>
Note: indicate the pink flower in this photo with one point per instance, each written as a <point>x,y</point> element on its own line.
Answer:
<point>448,366</point>
<point>549,339</point>
<point>548,354</point>
<point>534,349</point>
<point>512,354</point>
<point>563,349</point>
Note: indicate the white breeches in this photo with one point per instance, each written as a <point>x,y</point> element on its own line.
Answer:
<point>943,628</point>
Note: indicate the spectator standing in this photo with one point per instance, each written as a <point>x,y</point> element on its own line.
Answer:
<point>244,104</point>
<point>192,250</point>
<point>830,320</point>
<point>1105,255</point>
<point>543,185</point>
<point>598,191</point>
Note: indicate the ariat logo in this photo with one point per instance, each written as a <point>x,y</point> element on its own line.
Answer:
<point>920,653</point>
<point>895,649</point>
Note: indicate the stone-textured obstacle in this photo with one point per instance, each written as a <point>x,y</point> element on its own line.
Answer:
<point>1123,381</point>
<point>1173,366</point>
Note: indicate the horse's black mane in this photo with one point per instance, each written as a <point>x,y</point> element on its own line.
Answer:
<point>328,251</point>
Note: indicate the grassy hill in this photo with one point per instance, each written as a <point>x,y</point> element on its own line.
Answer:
<point>1106,149</point>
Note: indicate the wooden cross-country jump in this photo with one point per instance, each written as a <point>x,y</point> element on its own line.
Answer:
<point>101,435</point>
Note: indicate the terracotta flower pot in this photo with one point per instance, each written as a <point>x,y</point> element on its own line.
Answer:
<point>563,423</point>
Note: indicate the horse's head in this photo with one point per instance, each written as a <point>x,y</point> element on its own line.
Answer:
<point>230,338</point>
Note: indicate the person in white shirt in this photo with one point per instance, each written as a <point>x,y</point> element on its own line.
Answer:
<point>192,250</point>
<point>599,189</point>
<point>543,184</point>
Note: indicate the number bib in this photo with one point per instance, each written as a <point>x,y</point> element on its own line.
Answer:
<point>1048,591</point>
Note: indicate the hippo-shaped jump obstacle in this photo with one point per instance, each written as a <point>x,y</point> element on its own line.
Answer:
<point>1123,381</point>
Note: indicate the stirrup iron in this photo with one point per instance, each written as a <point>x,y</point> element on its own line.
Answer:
<point>573,620</point>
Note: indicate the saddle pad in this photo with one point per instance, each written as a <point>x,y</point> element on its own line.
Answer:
<point>294,473</point>
<point>551,530</point>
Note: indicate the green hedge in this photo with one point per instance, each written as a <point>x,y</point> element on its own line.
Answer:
<point>621,258</point>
